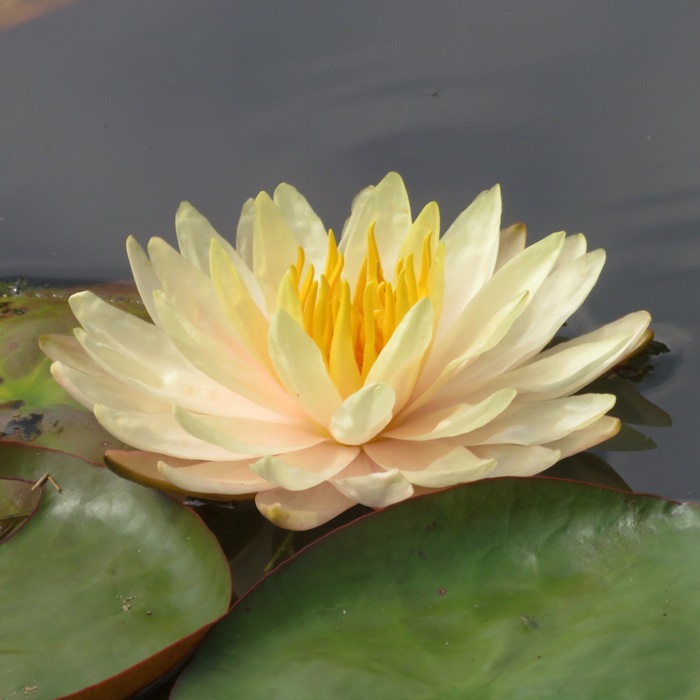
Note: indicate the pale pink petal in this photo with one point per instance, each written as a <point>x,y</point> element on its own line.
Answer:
<point>302,510</point>
<point>429,464</point>
<point>541,422</point>
<point>268,436</point>
<point>363,414</point>
<point>301,470</point>
<point>301,369</point>
<point>223,477</point>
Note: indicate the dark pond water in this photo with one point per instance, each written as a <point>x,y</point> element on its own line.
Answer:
<point>586,113</point>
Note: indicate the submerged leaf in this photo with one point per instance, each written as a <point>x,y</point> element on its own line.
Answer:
<point>505,588</point>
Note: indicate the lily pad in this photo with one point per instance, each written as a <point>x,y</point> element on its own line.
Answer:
<point>18,501</point>
<point>505,588</point>
<point>104,579</point>
<point>33,407</point>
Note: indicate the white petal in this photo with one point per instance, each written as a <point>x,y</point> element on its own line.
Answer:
<point>429,464</point>
<point>304,223</point>
<point>302,510</point>
<point>399,362</point>
<point>158,432</point>
<point>304,469</point>
<point>232,477</point>
<point>248,436</point>
<point>387,207</point>
<point>471,249</point>
<point>301,369</point>
<point>431,424</point>
<point>542,422</point>
<point>363,414</point>
<point>372,486</point>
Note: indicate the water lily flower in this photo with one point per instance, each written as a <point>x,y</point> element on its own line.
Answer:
<point>319,373</point>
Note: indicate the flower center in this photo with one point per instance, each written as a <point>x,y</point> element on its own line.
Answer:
<point>352,328</point>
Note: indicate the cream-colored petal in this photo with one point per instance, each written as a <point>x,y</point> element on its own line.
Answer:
<point>376,490</point>
<point>306,227</point>
<point>152,364</point>
<point>363,414</point>
<point>144,275</point>
<point>304,469</point>
<point>89,390</point>
<point>440,370</point>
<point>590,436</point>
<point>571,365</point>
<point>191,292</point>
<point>471,250</point>
<point>233,477</point>
<point>246,435</point>
<point>244,233</point>
<point>428,221</point>
<point>274,248</point>
<point>67,350</point>
<point>387,207</point>
<point>434,424</point>
<point>517,460</point>
<point>158,432</point>
<point>561,294</point>
<point>511,242</point>
<point>301,369</point>
<point>253,388</point>
<point>429,464</point>
<point>194,236</point>
<point>241,306</point>
<point>541,422</point>
<point>399,362</point>
<point>574,247</point>
<point>302,510</point>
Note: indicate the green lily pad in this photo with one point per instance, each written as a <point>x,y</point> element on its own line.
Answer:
<point>505,588</point>
<point>102,581</point>
<point>33,407</point>
<point>18,501</point>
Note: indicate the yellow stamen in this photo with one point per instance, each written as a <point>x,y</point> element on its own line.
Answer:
<point>351,328</point>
